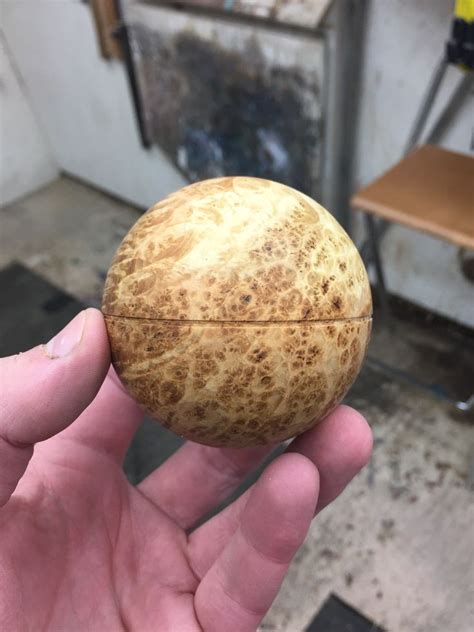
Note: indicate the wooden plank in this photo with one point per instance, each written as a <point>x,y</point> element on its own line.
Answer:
<point>106,21</point>
<point>431,190</point>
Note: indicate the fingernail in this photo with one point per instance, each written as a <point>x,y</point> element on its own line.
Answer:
<point>67,340</point>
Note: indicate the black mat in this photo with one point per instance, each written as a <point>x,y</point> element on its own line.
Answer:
<point>337,616</point>
<point>33,310</point>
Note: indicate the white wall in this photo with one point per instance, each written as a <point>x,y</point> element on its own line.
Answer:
<point>83,101</point>
<point>26,161</point>
<point>404,42</point>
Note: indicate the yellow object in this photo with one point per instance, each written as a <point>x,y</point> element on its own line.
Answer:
<point>238,312</point>
<point>464,10</point>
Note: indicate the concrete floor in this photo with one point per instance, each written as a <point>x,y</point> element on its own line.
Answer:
<point>399,543</point>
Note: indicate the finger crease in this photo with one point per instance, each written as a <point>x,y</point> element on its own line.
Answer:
<point>251,611</point>
<point>17,445</point>
<point>225,466</point>
<point>189,558</point>
<point>265,556</point>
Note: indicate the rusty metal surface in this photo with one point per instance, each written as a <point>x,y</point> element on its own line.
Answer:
<point>308,13</point>
<point>224,99</point>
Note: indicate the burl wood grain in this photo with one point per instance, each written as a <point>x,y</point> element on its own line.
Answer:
<point>238,312</point>
<point>237,384</point>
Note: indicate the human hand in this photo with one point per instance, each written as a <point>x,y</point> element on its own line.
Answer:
<point>82,549</point>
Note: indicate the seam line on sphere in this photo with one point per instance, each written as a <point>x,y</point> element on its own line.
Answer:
<point>257,323</point>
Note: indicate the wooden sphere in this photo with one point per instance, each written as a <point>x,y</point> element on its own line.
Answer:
<point>238,312</point>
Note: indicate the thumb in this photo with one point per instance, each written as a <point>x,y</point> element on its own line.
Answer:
<point>45,389</point>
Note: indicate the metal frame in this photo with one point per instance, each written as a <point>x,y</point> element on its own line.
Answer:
<point>377,261</point>
<point>413,138</point>
<point>122,35</point>
<point>465,84</point>
<point>370,250</point>
<point>377,229</point>
<point>344,30</point>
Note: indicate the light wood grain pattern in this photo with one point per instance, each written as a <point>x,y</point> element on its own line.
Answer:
<point>431,190</point>
<point>237,249</point>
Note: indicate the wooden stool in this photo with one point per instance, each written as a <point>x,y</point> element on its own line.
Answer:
<point>431,190</point>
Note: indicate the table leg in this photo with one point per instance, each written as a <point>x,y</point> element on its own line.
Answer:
<point>379,272</point>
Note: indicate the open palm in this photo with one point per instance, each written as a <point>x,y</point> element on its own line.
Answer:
<point>82,549</point>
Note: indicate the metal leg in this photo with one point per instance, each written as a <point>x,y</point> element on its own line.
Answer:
<point>380,228</point>
<point>418,127</point>
<point>461,92</point>
<point>426,105</point>
<point>376,260</point>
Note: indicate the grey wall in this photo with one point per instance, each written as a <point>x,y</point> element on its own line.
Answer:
<point>26,160</point>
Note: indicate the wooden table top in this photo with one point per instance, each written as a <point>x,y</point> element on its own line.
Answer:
<point>431,189</point>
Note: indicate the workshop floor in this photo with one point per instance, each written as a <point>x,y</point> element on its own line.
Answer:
<point>398,545</point>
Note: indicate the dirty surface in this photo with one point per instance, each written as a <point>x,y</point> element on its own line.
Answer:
<point>219,104</point>
<point>68,233</point>
<point>307,13</point>
<point>397,545</point>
